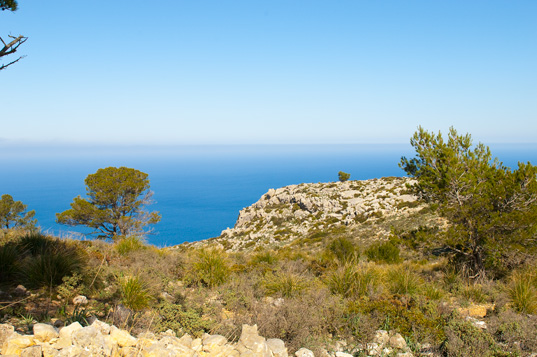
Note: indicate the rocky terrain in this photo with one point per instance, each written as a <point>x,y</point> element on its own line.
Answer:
<point>101,339</point>
<point>286,214</point>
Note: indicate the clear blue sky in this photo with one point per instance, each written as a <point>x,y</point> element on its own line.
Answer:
<point>257,71</point>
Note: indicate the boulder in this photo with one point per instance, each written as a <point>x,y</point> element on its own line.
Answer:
<point>186,340</point>
<point>251,344</point>
<point>122,337</point>
<point>5,331</point>
<point>213,342</point>
<point>277,347</point>
<point>88,336</point>
<point>44,332</point>
<point>33,351</point>
<point>15,343</point>
<point>66,335</point>
<point>103,327</point>
<point>49,351</point>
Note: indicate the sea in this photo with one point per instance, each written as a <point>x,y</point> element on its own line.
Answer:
<point>198,190</point>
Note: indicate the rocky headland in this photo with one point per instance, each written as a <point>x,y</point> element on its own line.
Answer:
<point>284,215</point>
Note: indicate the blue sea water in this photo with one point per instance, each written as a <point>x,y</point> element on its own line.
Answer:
<point>199,190</point>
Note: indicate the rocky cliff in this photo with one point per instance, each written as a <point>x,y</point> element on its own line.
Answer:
<point>283,215</point>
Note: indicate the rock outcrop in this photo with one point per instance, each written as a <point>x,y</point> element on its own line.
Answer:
<point>282,215</point>
<point>101,339</point>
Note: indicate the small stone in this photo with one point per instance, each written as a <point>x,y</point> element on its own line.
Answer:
<point>304,352</point>
<point>251,342</point>
<point>121,315</point>
<point>57,323</point>
<point>381,337</point>
<point>20,291</point>
<point>343,354</point>
<point>404,354</point>
<point>397,341</point>
<point>165,296</point>
<point>477,323</point>
<point>80,300</point>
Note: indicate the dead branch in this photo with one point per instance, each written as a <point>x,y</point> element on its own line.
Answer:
<point>10,48</point>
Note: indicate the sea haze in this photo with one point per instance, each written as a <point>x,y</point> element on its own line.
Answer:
<point>199,190</point>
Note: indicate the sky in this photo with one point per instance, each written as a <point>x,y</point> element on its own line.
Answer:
<point>268,72</point>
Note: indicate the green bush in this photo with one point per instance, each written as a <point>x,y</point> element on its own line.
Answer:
<point>343,176</point>
<point>464,339</point>
<point>385,252</point>
<point>344,249</point>
<point>181,320</point>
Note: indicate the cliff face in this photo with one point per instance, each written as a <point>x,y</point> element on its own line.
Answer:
<point>285,214</point>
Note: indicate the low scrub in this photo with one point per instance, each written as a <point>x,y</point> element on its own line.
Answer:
<point>385,252</point>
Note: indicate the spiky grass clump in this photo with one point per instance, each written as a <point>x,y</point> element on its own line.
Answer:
<point>36,243</point>
<point>211,267</point>
<point>403,280</point>
<point>354,280</point>
<point>285,283</point>
<point>135,293</point>
<point>523,292</point>
<point>9,263</point>
<point>129,244</point>
<point>52,264</point>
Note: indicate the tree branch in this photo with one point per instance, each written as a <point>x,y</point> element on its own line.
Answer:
<point>10,48</point>
<point>10,63</point>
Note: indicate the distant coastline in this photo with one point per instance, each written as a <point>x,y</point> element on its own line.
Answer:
<point>200,190</point>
